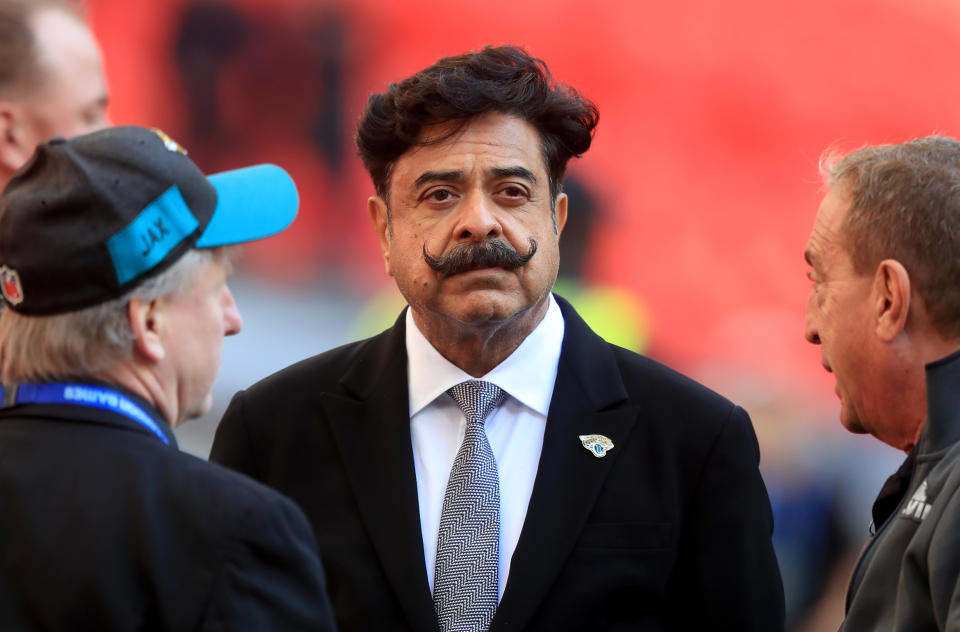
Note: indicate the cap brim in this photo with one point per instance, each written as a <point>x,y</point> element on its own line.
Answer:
<point>252,203</point>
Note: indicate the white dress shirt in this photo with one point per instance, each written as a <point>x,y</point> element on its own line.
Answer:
<point>515,429</point>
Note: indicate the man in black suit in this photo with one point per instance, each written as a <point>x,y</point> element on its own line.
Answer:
<point>113,271</point>
<point>489,462</point>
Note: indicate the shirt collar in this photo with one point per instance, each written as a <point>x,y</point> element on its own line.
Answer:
<point>528,374</point>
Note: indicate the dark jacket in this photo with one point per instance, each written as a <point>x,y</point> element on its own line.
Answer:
<point>669,531</point>
<point>908,577</point>
<point>104,527</point>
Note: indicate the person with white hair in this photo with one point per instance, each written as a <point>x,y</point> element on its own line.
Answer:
<point>114,272</point>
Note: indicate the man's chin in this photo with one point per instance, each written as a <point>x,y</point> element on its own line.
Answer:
<point>481,307</point>
<point>851,422</point>
<point>199,409</point>
<point>485,307</point>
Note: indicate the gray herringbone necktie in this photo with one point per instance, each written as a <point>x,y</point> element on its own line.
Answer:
<point>465,580</point>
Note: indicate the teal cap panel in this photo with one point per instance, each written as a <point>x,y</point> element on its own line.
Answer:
<point>252,203</point>
<point>153,233</point>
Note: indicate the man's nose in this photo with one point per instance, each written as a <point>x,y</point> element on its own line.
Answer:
<point>477,220</point>
<point>232,320</point>
<point>810,328</point>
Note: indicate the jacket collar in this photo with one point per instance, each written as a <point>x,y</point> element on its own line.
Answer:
<point>942,427</point>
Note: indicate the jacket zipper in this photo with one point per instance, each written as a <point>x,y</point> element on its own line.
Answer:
<point>855,579</point>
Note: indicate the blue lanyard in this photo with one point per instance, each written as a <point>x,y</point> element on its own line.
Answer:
<point>83,395</point>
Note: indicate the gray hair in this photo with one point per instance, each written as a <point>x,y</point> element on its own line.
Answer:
<point>91,340</point>
<point>905,205</point>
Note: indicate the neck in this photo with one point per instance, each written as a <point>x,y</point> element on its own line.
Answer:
<point>477,349</point>
<point>936,348</point>
<point>926,346</point>
<point>145,384</point>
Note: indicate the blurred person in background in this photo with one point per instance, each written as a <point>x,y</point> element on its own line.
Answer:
<point>51,78</point>
<point>114,274</point>
<point>489,462</point>
<point>885,309</point>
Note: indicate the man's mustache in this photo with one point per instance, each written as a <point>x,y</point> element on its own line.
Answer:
<point>486,254</point>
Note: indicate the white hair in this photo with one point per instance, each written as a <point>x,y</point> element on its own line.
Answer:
<point>88,341</point>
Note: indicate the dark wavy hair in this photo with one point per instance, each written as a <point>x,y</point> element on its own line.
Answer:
<point>501,79</point>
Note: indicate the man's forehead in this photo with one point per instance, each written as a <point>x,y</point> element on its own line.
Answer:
<point>60,32</point>
<point>491,142</point>
<point>483,126</point>
<point>826,235</point>
<point>68,56</point>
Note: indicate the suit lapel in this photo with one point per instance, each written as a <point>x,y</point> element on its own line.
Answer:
<point>588,398</point>
<point>372,430</point>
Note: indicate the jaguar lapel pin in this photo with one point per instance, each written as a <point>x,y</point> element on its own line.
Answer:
<point>596,444</point>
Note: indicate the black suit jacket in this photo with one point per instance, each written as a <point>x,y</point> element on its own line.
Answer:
<point>670,531</point>
<point>104,527</point>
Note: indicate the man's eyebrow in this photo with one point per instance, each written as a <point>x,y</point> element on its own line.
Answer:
<point>514,172</point>
<point>437,176</point>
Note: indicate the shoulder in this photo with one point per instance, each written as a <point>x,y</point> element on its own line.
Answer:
<point>193,509</point>
<point>682,413</point>
<point>323,368</point>
<point>222,498</point>
<point>283,407</point>
<point>674,414</point>
<point>231,511</point>
<point>941,487</point>
<point>262,561</point>
<point>931,513</point>
<point>608,371</point>
<point>652,381</point>
<point>326,371</point>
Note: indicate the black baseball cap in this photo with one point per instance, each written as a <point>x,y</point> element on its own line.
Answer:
<point>89,218</point>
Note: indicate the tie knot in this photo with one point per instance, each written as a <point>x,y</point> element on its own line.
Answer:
<point>477,399</point>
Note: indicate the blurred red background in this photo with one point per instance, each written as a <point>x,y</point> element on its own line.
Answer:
<point>692,209</point>
<point>704,168</point>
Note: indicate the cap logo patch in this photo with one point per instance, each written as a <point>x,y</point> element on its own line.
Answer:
<point>10,284</point>
<point>168,142</point>
<point>150,237</point>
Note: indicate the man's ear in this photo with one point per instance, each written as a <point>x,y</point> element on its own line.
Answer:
<point>380,217</point>
<point>891,298</point>
<point>145,320</point>
<point>16,143</point>
<point>560,212</point>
